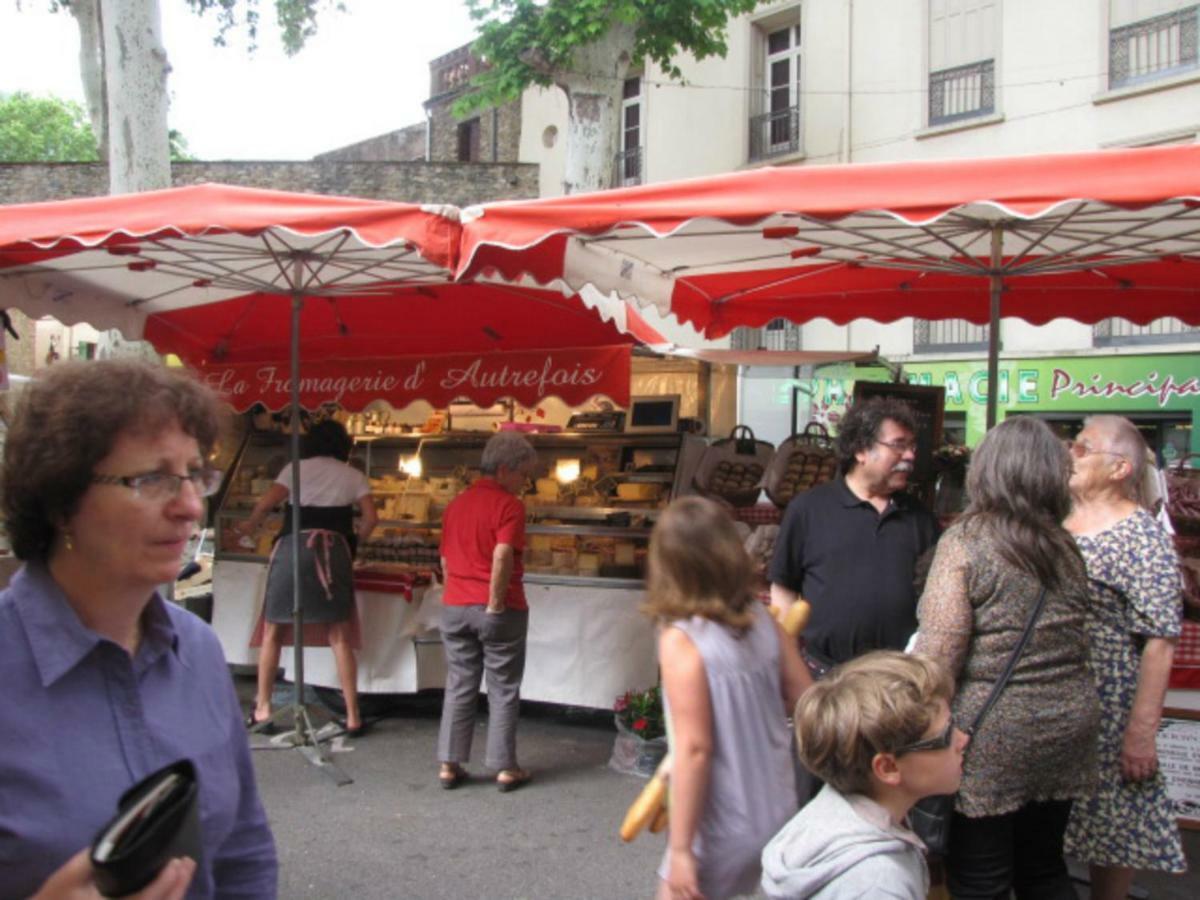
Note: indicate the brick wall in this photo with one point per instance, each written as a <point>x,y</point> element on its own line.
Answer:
<point>413,182</point>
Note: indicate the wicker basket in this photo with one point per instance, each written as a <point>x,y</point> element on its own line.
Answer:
<point>801,462</point>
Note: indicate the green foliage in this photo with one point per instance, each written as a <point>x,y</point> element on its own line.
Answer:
<point>642,712</point>
<point>44,129</point>
<point>179,147</point>
<point>297,19</point>
<point>527,42</point>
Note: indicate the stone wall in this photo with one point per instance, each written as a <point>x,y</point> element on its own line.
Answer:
<point>413,182</point>
<point>499,131</point>
<point>403,145</point>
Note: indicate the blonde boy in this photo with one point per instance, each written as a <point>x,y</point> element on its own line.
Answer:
<point>878,731</point>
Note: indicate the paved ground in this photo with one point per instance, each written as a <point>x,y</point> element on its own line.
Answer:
<point>395,833</point>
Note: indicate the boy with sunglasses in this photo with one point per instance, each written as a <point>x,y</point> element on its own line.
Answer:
<point>878,731</point>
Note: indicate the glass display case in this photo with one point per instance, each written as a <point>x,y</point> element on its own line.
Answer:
<point>590,507</point>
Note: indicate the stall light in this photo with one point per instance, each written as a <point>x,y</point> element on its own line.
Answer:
<point>411,466</point>
<point>566,470</point>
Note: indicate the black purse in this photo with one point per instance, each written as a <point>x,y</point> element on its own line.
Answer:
<point>157,820</point>
<point>930,817</point>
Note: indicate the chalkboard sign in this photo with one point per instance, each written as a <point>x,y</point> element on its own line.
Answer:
<point>927,403</point>
<point>1179,759</point>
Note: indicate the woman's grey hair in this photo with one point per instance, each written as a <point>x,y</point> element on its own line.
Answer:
<point>506,448</point>
<point>1122,438</point>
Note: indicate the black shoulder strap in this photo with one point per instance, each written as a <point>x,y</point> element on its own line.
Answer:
<point>1012,663</point>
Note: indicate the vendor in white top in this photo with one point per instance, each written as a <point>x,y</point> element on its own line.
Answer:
<point>330,489</point>
<point>878,732</point>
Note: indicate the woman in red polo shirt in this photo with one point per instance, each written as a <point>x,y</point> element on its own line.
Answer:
<point>484,614</point>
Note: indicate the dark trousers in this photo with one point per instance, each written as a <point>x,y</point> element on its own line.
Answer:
<point>1020,851</point>
<point>477,642</point>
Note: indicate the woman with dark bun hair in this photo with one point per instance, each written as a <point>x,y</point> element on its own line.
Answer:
<point>330,491</point>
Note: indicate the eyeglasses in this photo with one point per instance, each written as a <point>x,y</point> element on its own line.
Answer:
<point>1080,449</point>
<point>940,742</point>
<point>163,486</point>
<point>899,446</point>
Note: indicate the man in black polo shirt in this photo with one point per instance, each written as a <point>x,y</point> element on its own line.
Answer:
<point>849,547</point>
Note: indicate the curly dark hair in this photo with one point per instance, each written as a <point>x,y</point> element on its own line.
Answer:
<point>860,427</point>
<point>327,438</point>
<point>67,421</point>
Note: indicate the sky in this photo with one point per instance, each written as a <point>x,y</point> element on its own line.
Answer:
<point>365,73</point>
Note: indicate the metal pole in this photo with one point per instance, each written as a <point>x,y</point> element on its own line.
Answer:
<point>996,283</point>
<point>297,610</point>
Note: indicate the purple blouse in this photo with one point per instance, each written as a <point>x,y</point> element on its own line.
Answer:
<point>81,721</point>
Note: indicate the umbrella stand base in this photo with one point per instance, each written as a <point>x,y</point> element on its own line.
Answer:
<point>303,737</point>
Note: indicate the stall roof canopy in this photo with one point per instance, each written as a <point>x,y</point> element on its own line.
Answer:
<point>1082,235</point>
<point>210,273</point>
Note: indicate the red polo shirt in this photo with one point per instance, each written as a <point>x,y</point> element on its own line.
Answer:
<point>478,519</point>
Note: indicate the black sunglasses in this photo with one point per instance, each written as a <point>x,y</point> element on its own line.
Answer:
<point>940,742</point>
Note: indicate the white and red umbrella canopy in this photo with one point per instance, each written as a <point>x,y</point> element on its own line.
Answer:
<point>1085,236</point>
<point>210,273</point>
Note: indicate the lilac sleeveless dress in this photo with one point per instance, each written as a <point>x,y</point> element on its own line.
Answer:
<point>752,784</point>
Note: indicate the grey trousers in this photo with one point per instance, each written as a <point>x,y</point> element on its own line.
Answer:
<point>476,642</point>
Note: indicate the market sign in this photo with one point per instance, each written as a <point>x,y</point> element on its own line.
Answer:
<point>1166,382</point>
<point>528,376</point>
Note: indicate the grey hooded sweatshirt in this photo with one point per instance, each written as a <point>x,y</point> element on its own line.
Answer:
<point>844,846</point>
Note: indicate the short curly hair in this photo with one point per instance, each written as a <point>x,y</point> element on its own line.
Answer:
<point>860,427</point>
<point>67,421</point>
<point>876,703</point>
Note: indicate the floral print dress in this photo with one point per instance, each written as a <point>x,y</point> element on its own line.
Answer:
<point>1135,584</point>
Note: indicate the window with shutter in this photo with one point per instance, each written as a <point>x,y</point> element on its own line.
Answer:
<point>963,36</point>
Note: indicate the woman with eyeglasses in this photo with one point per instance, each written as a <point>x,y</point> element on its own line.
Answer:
<point>330,492</point>
<point>106,467</point>
<point>1035,752</point>
<point>1136,607</point>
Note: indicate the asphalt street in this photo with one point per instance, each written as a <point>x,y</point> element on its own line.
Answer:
<point>395,833</point>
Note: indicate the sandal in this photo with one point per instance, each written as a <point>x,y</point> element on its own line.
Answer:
<point>358,731</point>
<point>511,779</point>
<point>260,726</point>
<point>452,775</point>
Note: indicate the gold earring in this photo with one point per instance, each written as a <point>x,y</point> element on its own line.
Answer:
<point>67,542</point>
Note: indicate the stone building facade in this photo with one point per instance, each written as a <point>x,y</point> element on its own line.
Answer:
<point>491,135</point>
<point>402,145</point>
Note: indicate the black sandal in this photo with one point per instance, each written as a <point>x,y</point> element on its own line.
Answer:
<point>511,779</point>
<point>452,775</point>
<point>260,726</point>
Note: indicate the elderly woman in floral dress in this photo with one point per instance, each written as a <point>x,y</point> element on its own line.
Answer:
<point>1134,623</point>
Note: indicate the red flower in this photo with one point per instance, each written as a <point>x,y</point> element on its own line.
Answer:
<point>622,704</point>
<point>639,725</point>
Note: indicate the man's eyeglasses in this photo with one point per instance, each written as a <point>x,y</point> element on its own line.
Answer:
<point>940,742</point>
<point>162,486</point>
<point>899,446</point>
<point>1080,449</point>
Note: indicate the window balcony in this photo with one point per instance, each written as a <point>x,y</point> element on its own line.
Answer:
<point>949,336</point>
<point>1122,333</point>
<point>962,92</point>
<point>778,334</point>
<point>627,168</point>
<point>1153,48</point>
<point>775,134</point>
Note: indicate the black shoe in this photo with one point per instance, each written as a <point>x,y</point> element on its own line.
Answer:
<point>358,732</point>
<point>263,726</point>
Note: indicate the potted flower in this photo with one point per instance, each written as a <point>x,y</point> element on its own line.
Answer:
<point>641,732</point>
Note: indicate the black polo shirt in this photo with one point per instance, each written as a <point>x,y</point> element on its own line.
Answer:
<point>855,566</point>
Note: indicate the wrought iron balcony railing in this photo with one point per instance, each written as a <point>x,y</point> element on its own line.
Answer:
<point>962,92</point>
<point>775,133</point>
<point>1153,48</point>
<point>1122,333</point>
<point>948,336</point>
<point>627,168</point>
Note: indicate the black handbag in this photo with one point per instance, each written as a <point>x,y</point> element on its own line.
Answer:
<point>930,817</point>
<point>157,820</point>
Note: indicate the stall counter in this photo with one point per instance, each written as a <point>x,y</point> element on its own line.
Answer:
<point>587,644</point>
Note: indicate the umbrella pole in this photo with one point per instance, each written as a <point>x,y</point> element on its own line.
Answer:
<point>303,737</point>
<point>996,285</point>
